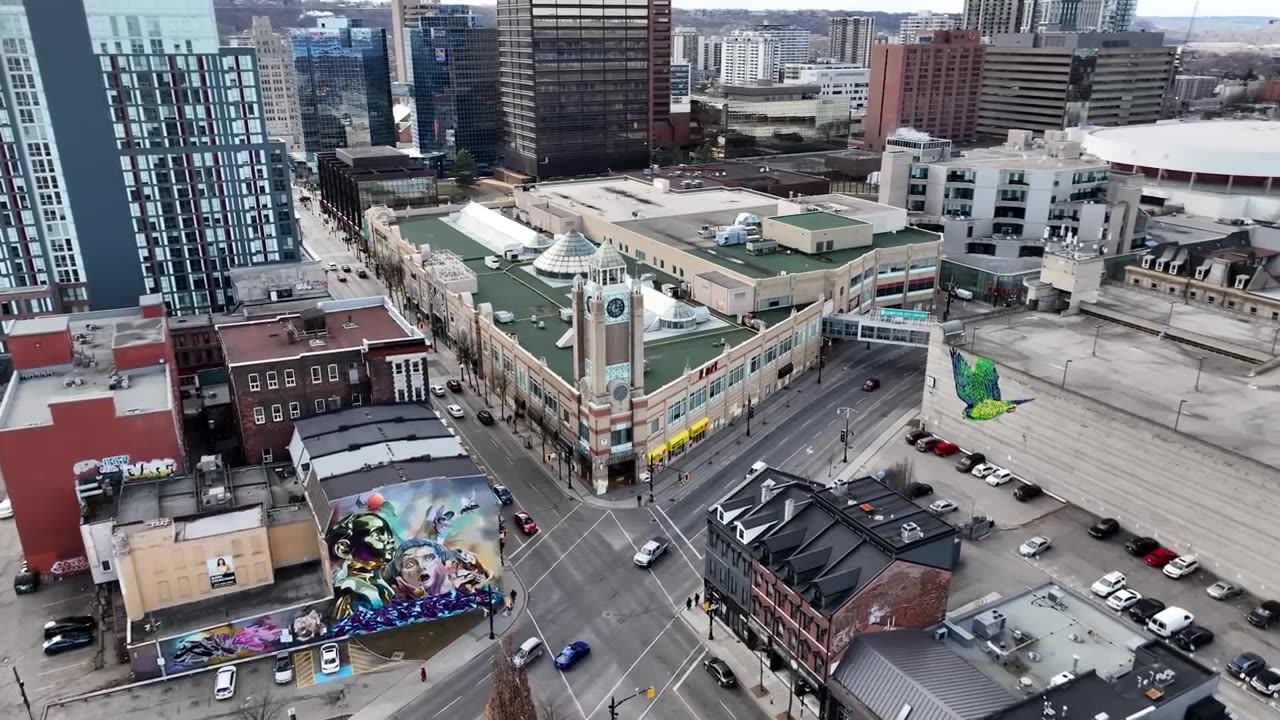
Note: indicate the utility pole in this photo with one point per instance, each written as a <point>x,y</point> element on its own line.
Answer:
<point>751,411</point>
<point>615,704</point>
<point>22,689</point>
<point>711,618</point>
<point>489,599</point>
<point>821,343</point>
<point>1199,370</point>
<point>845,443</point>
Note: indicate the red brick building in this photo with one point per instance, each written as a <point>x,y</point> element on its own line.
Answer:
<point>89,391</point>
<point>341,353</point>
<point>851,559</point>
<point>932,86</point>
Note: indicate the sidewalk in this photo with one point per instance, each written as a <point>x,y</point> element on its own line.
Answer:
<point>774,695</point>
<point>446,662</point>
<point>858,468</point>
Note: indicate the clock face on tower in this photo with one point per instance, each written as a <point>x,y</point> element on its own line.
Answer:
<point>615,308</point>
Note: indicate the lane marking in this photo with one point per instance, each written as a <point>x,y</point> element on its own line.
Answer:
<point>692,665</point>
<point>64,668</point>
<point>650,568</point>
<point>482,680</point>
<point>446,707</point>
<point>542,534</point>
<point>624,675</point>
<point>726,709</point>
<point>682,537</point>
<point>687,705</point>
<point>543,638</point>
<point>565,554</point>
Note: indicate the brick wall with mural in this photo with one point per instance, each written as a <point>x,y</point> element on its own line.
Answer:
<point>905,595</point>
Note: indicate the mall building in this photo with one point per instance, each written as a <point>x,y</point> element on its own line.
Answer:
<point>628,320</point>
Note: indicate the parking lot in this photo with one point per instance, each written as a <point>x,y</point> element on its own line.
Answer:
<point>993,566</point>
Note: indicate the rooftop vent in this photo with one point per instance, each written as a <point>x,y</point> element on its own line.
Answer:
<point>911,532</point>
<point>767,491</point>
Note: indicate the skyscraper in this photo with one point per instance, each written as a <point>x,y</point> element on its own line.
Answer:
<point>279,81</point>
<point>932,86</point>
<point>587,103</point>
<point>993,17</point>
<point>851,39</point>
<point>793,44</point>
<point>1078,15</point>
<point>344,85</point>
<point>710,52</point>
<point>748,58</point>
<point>404,17</point>
<point>144,128</point>
<point>911,26</point>
<point>684,46</point>
<point>455,85</point>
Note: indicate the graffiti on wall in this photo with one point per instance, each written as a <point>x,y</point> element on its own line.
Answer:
<point>144,470</point>
<point>978,385</point>
<point>70,566</point>
<point>245,638</point>
<point>412,552</point>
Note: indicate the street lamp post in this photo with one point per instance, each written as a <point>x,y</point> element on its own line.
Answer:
<point>650,479</point>
<point>844,437</point>
<point>1178,419</point>
<point>1199,370</point>
<point>1097,329</point>
<point>750,412</point>
<point>711,618</point>
<point>488,593</point>
<point>1065,366</point>
<point>821,343</point>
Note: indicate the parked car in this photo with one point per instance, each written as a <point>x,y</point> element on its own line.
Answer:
<point>283,668</point>
<point>916,436</point>
<point>1170,621</point>
<point>330,658</point>
<point>1122,600</point>
<point>1035,546</point>
<point>224,683</point>
<point>1182,566</point>
<point>72,624</point>
<point>1160,557</point>
<point>1224,590</point>
<point>650,552</point>
<point>915,490</point>
<point>970,461</point>
<point>1145,609</point>
<point>1141,546</point>
<point>485,417</point>
<point>720,672</point>
<point>437,390</point>
<point>1265,614</point>
<point>528,651</point>
<point>999,477</point>
<point>455,411</point>
<point>454,385</point>
<point>1245,665</point>
<point>571,654</point>
<point>927,444</point>
<point>984,469</point>
<point>1193,638</point>
<point>1267,682</point>
<point>871,385</point>
<point>1027,492</point>
<point>1109,583</point>
<point>59,644</point>
<point>945,449</point>
<point>525,522</point>
<point>942,507</point>
<point>1104,528</point>
<point>503,494</point>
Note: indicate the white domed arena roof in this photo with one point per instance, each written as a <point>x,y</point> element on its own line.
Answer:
<point>1241,148</point>
<point>570,255</point>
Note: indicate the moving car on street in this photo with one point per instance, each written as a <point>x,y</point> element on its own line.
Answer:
<point>342,278</point>
<point>916,490</point>
<point>224,683</point>
<point>525,522</point>
<point>720,672</point>
<point>1026,492</point>
<point>455,411</point>
<point>346,268</point>
<point>1035,546</point>
<point>485,417</point>
<point>437,390</point>
<point>454,385</point>
<point>503,494</point>
<point>330,658</point>
<point>572,654</point>
<point>650,552</point>
<point>528,651</point>
<point>871,385</point>
<point>362,273</point>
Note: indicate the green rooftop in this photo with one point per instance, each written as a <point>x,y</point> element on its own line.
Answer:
<point>736,257</point>
<point>668,358</point>
<point>817,221</point>
<point>434,231</point>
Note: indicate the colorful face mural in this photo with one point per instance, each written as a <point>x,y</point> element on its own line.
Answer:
<point>412,552</point>
<point>259,635</point>
<point>978,385</point>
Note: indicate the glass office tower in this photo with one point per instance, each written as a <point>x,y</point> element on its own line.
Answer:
<point>455,85</point>
<point>344,86</point>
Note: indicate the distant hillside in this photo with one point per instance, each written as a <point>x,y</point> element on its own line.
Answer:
<point>721,22</point>
<point>1256,30</point>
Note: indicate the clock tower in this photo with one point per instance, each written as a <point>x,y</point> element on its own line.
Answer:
<point>608,363</point>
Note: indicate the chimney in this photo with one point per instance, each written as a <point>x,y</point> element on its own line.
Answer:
<point>767,490</point>
<point>1075,664</point>
<point>788,509</point>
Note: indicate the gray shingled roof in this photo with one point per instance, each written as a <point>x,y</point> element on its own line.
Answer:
<point>886,670</point>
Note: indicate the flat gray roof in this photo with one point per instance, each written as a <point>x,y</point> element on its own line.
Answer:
<point>1146,375</point>
<point>616,198</point>
<point>94,335</point>
<point>1020,159</point>
<point>997,265</point>
<point>179,497</point>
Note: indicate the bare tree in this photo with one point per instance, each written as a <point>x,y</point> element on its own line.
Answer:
<point>262,707</point>
<point>900,474</point>
<point>509,695</point>
<point>501,383</point>
<point>464,350</point>
<point>549,709</point>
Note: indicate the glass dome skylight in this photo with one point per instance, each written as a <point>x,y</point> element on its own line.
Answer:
<point>568,257</point>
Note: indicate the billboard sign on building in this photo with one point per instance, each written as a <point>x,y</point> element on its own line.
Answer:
<point>222,571</point>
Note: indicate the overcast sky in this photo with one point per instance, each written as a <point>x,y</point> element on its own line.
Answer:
<point>1159,8</point>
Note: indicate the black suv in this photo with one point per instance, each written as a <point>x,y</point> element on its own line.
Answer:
<point>720,670</point>
<point>916,436</point>
<point>1144,610</point>
<point>1141,546</point>
<point>968,462</point>
<point>1104,528</point>
<point>1027,492</point>
<point>915,490</point>
<point>1265,614</point>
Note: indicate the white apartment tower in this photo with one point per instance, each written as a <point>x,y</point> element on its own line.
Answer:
<point>793,44</point>
<point>710,56</point>
<point>851,39</point>
<point>279,81</point>
<point>748,58</point>
<point>993,17</point>
<point>924,21</point>
<point>684,46</point>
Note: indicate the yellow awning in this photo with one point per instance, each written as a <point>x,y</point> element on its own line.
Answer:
<point>678,439</point>
<point>658,452</point>
<point>700,426</point>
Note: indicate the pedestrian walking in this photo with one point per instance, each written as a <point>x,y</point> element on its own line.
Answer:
<point>688,603</point>
<point>422,673</point>
<point>513,597</point>
<point>695,599</point>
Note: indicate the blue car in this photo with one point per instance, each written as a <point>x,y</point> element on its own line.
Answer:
<point>571,654</point>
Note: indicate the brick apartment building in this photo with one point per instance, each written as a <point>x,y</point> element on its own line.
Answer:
<point>91,391</point>
<point>932,86</point>
<point>854,558</point>
<point>340,353</point>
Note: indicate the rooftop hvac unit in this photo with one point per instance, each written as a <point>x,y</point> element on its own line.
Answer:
<point>566,314</point>
<point>504,316</point>
<point>988,625</point>
<point>492,262</point>
<point>761,247</point>
<point>911,532</point>
<point>1057,596</point>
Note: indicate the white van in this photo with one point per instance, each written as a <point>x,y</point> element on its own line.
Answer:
<point>757,467</point>
<point>1169,621</point>
<point>529,651</point>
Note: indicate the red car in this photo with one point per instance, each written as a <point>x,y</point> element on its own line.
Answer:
<point>1160,557</point>
<point>529,527</point>
<point>943,449</point>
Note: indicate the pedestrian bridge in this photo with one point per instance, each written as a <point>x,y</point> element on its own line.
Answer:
<point>887,326</point>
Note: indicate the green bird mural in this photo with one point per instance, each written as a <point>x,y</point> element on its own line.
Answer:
<point>978,385</point>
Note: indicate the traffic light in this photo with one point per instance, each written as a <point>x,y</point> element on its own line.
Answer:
<point>844,436</point>
<point>650,693</point>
